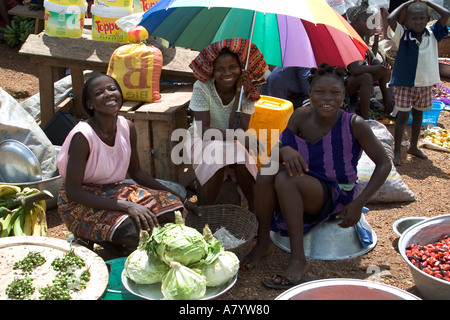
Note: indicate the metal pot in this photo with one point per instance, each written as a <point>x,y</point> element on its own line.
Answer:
<point>328,241</point>
<point>401,225</point>
<point>425,232</point>
<point>50,184</point>
<point>345,289</point>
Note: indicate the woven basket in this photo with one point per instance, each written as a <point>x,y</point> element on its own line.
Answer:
<point>240,222</point>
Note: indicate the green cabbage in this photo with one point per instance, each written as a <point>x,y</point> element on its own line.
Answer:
<point>225,267</point>
<point>143,269</point>
<point>183,283</point>
<point>214,245</point>
<point>178,242</point>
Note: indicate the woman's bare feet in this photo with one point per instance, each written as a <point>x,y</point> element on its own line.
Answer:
<point>261,249</point>
<point>292,276</point>
<point>295,271</point>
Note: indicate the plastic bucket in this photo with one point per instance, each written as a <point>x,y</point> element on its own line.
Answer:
<point>104,27</point>
<point>64,21</point>
<point>143,5</point>
<point>114,3</point>
<point>69,2</point>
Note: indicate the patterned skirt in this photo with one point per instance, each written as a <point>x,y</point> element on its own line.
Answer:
<point>99,225</point>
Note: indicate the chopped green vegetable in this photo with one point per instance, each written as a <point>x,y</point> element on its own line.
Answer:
<point>31,261</point>
<point>20,288</point>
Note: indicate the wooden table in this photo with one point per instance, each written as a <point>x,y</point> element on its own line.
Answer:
<point>37,15</point>
<point>79,54</point>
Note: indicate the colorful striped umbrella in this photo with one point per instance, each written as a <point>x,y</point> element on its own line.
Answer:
<point>287,32</point>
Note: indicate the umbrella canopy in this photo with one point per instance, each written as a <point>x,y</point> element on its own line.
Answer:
<point>287,32</point>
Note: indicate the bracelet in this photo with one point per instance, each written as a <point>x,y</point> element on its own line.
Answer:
<point>185,200</point>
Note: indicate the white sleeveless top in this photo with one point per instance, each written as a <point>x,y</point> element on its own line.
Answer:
<point>105,164</point>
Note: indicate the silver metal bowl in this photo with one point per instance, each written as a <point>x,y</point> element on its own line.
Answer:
<point>444,67</point>
<point>425,232</point>
<point>51,184</point>
<point>328,241</point>
<point>401,225</point>
<point>345,289</point>
<point>18,163</point>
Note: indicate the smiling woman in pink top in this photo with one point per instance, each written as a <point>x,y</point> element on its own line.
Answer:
<point>94,202</point>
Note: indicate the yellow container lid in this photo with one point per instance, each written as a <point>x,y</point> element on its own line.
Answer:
<point>59,8</point>
<point>110,12</point>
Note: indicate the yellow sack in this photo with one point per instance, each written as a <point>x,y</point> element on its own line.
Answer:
<point>137,67</point>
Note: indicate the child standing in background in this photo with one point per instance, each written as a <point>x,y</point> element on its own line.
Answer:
<point>416,67</point>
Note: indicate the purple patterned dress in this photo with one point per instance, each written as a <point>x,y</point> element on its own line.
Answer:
<point>333,159</point>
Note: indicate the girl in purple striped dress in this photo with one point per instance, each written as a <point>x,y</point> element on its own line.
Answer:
<point>318,155</point>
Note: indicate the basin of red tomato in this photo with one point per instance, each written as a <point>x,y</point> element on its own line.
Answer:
<point>433,258</point>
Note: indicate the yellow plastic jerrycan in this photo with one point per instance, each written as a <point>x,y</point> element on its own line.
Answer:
<point>269,120</point>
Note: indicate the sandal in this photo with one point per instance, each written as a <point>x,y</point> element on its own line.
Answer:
<point>270,283</point>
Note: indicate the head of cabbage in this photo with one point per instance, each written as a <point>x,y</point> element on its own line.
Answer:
<point>183,283</point>
<point>221,270</point>
<point>143,268</point>
<point>177,242</point>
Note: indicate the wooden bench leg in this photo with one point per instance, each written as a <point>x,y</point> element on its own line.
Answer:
<point>77,85</point>
<point>144,145</point>
<point>47,94</point>
<point>38,26</point>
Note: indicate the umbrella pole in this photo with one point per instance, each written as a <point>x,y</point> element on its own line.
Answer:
<point>237,116</point>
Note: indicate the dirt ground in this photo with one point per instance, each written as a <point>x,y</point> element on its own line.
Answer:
<point>427,179</point>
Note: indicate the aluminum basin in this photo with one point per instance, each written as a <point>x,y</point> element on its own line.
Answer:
<point>401,225</point>
<point>51,184</point>
<point>345,289</point>
<point>328,241</point>
<point>425,232</point>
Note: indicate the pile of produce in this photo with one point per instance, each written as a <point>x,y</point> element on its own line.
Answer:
<point>22,212</point>
<point>18,31</point>
<point>433,258</point>
<point>438,137</point>
<point>182,259</point>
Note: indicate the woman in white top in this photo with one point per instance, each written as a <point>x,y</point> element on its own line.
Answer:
<point>94,202</point>
<point>218,142</point>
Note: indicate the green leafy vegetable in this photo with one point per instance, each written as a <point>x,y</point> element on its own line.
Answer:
<point>225,267</point>
<point>183,283</point>
<point>145,269</point>
<point>178,242</point>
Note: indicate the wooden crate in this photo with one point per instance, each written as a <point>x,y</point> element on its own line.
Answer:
<point>155,123</point>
